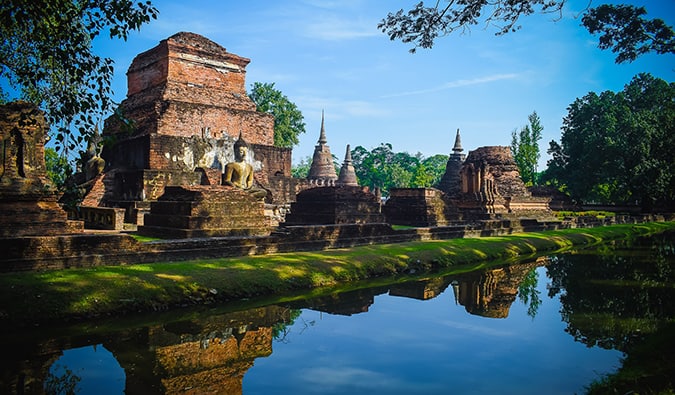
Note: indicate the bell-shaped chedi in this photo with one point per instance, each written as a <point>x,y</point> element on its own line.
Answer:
<point>322,170</point>
<point>347,175</point>
<point>28,200</point>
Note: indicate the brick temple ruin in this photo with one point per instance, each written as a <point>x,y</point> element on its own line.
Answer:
<point>186,127</point>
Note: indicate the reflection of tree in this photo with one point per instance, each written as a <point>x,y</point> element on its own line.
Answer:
<point>528,292</point>
<point>280,329</point>
<point>620,297</point>
<point>62,384</point>
<point>649,367</point>
<point>615,295</point>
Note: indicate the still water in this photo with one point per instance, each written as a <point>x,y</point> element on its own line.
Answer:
<point>548,325</point>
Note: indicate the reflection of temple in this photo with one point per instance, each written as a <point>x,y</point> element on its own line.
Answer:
<point>344,303</point>
<point>208,355</point>
<point>490,293</point>
<point>422,290</point>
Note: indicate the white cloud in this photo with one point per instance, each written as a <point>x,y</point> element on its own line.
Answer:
<point>334,28</point>
<point>456,84</point>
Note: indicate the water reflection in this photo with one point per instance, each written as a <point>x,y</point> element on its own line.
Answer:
<point>611,297</point>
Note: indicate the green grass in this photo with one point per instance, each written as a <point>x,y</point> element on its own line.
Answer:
<point>143,239</point>
<point>31,297</point>
<point>594,213</point>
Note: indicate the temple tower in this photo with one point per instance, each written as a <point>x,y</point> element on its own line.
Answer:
<point>451,182</point>
<point>186,104</point>
<point>347,173</point>
<point>322,170</point>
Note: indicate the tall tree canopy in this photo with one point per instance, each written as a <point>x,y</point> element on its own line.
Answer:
<point>617,147</point>
<point>288,120</point>
<point>46,57</point>
<point>383,168</point>
<point>525,148</point>
<point>622,28</point>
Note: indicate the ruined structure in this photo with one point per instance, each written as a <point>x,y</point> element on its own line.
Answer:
<point>203,211</point>
<point>451,182</point>
<point>28,200</point>
<point>322,170</point>
<point>335,205</point>
<point>419,207</point>
<point>347,175</point>
<point>491,184</point>
<point>186,105</point>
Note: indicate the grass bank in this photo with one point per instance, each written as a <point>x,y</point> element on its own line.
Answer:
<point>39,297</point>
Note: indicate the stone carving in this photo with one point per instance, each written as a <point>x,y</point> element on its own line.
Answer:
<point>239,174</point>
<point>94,164</point>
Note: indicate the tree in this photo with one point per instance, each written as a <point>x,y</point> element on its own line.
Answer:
<point>617,147</point>
<point>622,28</point>
<point>288,120</point>
<point>58,168</point>
<point>525,149</point>
<point>301,170</point>
<point>385,169</point>
<point>435,166</point>
<point>46,57</point>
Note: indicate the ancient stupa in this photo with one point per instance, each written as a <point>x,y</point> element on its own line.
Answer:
<point>347,175</point>
<point>451,182</point>
<point>322,170</point>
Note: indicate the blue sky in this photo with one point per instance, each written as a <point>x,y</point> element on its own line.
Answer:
<point>329,55</point>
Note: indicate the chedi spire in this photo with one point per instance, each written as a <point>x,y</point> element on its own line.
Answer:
<point>347,173</point>
<point>322,170</point>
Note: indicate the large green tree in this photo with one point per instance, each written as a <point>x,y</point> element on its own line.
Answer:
<point>383,168</point>
<point>288,119</point>
<point>525,148</point>
<point>617,147</point>
<point>622,28</point>
<point>47,58</point>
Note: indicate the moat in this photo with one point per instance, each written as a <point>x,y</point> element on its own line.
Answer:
<point>553,324</point>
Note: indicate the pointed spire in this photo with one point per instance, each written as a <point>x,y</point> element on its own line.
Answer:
<point>322,170</point>
<point>347,173</point>
<point>322,136</point>
<point>348,155</point>
<point>458,144</point>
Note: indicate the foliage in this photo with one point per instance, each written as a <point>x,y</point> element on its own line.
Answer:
<point>435,167</point>
<point>58,168</point>
<point>64,384</point>
<point>383,168</point>
<point>525,149</point>
<point>529,294</point>
<point>46,56</point>
<point>617,147</point>
<point>301,170</point>
<point>288,120</point>
<point>618,297</point>
<point>622,27</point>
<point>592,213</point>
<point>623,30</point>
